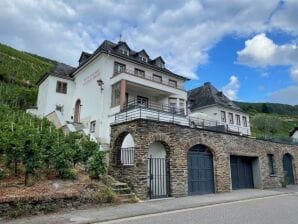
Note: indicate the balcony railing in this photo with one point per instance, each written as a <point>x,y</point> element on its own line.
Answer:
<point>133,103</point>
<point>148,77</point>
<point>162,116</point>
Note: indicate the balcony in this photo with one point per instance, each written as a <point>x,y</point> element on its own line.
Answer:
<point>150,78</point>
<point>163,113</point>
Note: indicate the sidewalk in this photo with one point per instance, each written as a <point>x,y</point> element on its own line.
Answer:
<point>149,207</point>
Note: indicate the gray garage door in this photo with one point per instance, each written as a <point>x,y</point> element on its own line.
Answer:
<point>241,170</point>
<point>200,171</point>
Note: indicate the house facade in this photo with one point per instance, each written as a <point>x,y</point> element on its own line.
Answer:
<point>112,80</point>
<point>207,100</point>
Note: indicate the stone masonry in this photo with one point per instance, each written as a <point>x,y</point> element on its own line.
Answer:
<point>178,140</point>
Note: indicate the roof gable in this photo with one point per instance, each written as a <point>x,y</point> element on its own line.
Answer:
<point>292,132</point>
<point>208,95</point>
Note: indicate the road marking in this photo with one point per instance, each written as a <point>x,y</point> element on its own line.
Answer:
<point>187,209</point>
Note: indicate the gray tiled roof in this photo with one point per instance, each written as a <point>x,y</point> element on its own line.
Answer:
<point>208,95</point>
<point>111,48</point>
<point>60,70</point>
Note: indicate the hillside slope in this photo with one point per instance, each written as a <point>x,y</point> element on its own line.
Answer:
<point>19,72</point>
<point>286,114</point>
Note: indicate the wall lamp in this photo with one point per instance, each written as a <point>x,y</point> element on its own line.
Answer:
<point>100,84</point>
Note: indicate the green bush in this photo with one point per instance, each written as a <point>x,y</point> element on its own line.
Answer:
<point>97,165</point>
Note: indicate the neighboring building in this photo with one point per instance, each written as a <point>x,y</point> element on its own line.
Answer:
<point>106,83</point>
<point>294,134</point>
<point>210,107</point>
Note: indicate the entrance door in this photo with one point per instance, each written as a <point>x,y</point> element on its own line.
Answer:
<point>77,111</point>
<point>288,168</point>
<point>241,170</point>
<point>200,171</point>
<point>158,171</point>
<point>158,178</point>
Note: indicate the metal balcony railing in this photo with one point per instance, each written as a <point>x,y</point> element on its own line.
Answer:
<point>133,113</point>
<point>149,77</point>
<point>133,103</point>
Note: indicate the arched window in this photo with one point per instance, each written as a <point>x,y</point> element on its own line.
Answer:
<point>77,111</point>
<point>127,152</point>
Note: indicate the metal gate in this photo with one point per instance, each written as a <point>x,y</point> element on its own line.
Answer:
<point>200,171</point>
<point>288,168</point>
<point>241,171</point>
<point>158,177</point>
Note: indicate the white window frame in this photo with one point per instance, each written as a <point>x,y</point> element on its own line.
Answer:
<point>92,126</point>
<point>223,116</point>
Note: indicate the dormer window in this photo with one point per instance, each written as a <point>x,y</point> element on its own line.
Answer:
<point>144,59</point>
<point>124,51</point>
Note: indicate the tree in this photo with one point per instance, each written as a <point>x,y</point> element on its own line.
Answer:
<point>266,124</point>
<point>97,165</point>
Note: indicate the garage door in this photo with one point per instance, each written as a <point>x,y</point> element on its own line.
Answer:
<point>242,175</point>
<point>200,171</point>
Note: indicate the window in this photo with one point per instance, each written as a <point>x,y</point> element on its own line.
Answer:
<point>172,104</point>
<point>231,118</point>
<point>144,59</point>
<point>142,101</point>
<point>127,156</point>
<point>139,72</point>
<point>92,126</point>
<point>181,103</point>
<point>59,108</point>
<point>61,87</point>
<point>271,164</point>
<point>119,68</point>
<point>238,122</point>
<point>115,95</point>
<point>244,120</point>
<point>223,116</point>
<point>157,78</point>
<point>123,50</point>
<point>173,83</point>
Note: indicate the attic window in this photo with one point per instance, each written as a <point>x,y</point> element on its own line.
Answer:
<point>144,59</point>
<point>124,51</point>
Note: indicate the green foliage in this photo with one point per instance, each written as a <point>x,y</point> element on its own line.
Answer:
<point>266,124</point>
<point>33,144</point>
<point>96,165</point>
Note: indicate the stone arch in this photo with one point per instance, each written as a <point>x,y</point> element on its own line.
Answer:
<point>164,140</point>
<point>200,169</point>
<point>123,139</point>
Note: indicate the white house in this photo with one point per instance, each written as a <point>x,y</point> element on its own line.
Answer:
<point>211,108</point>
<point>113,84</point>
<point>294,134</point>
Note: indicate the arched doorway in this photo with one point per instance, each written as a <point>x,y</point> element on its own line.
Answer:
<point>158,171</point>
<point>200,170</point>
<point>77,111</point>
<point>288,168</point>
<point>127,151</point>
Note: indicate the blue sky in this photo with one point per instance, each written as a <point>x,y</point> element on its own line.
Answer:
<point>246,48</point>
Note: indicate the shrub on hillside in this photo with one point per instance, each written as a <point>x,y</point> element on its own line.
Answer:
<point>97,165</point>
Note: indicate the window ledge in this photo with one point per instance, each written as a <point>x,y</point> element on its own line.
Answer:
<point>272,175</point>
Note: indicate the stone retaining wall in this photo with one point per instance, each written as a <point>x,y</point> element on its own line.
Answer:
<point>178,140</point>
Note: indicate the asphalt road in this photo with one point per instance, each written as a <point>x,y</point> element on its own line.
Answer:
<point>281,209</point>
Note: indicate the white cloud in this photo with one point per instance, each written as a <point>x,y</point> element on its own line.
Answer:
<point>231,89</point>
<point>287,95</point>
<point>260,51</point>
<point>181,31</point>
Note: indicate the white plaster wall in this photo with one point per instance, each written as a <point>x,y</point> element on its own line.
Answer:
<point>48,98</point>
<point>157,150</point>
<point>295,136</point>
<point>214,112</point>
<point>128,142</point>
